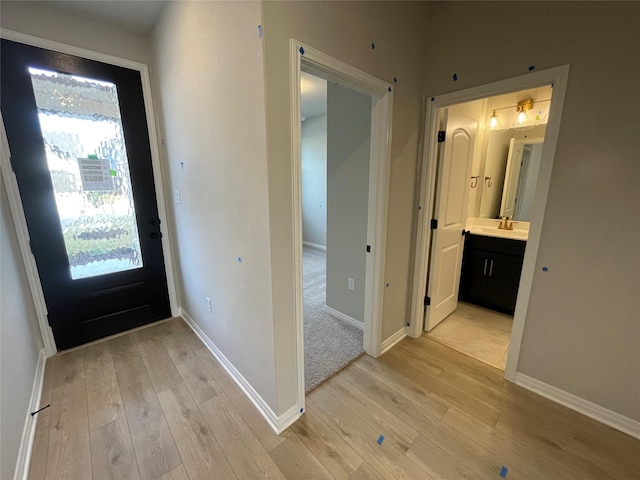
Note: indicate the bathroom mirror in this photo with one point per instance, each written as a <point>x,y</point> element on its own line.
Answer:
<point>521,176</point>
<point>510,173</point>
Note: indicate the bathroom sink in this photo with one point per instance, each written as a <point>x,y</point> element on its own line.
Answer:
<point>495,232</point>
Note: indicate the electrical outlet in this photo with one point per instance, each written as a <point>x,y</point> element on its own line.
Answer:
<point>208,304</point>
<point>351,284</point>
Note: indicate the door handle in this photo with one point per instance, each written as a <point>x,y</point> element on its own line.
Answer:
<point>155,235</point>
<point>491,268</point>
<point>484,272</point>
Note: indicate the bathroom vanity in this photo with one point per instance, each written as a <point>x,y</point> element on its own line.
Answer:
<point>491,267</point>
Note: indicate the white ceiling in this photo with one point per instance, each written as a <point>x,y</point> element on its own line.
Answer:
<point>313,96</point>
<point>135,16</point>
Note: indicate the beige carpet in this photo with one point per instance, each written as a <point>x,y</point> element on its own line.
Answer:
<point>329,343</point>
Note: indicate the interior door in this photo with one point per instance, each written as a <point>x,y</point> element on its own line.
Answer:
<point>452,193</point>
<point>79,145</point>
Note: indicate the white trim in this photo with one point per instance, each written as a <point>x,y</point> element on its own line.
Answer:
<point>29,431</point>
<point>314,245</point>
<point>18,213</point>
<point>343,317</point>
<point>68,49</point>
<point>318,63</point>
<point>24,241</point>
<point>167,248</point>
<point>557,77</point>
<point>278,423</point>
<point>601,414</point>
<point>393,340</point>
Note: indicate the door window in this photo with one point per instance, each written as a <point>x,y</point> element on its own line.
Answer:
<point>87,160</point>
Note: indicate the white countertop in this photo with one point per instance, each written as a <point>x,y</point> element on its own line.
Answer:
<point>489,227</point>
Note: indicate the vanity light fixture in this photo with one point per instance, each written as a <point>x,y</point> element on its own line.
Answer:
<point>522,119</point>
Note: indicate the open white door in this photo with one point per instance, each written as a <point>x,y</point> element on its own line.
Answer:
<point>452,193</point>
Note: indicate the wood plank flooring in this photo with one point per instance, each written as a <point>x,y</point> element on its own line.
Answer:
<point>155,405</point>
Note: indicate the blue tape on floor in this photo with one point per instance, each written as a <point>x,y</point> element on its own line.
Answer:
<point>380,439</point>
<point>503,472</point>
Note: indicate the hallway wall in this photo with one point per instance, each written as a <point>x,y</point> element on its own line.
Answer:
<point>582,333</point>
<point>20,341</point>
<point>209,80</point>
<point>346,31</point>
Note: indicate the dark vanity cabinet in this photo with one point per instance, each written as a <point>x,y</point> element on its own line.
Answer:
<point>491,270</point>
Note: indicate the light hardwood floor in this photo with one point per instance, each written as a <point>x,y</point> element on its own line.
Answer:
<point>154,404</point>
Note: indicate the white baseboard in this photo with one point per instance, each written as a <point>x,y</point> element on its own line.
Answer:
<point>603,415</point>
<point>314,245</point>
<point>390,342</point>
<point>29,431</point>
<point>344,317</point>
<point>278,423</point>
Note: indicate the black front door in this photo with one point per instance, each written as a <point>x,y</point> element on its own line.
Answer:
<point>79,145</point>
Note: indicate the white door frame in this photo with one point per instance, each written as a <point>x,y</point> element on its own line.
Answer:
<point>313,61</point>
<point>15,202</point>
<point>556,77</point>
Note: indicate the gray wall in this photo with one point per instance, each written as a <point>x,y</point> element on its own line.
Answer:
<point>43,21</point>
<point>314,180</point>
<point>345,31</point>
<point>210,85</point>
<point>348,158</point>
<point>582,331</point>
<point>20,341</point>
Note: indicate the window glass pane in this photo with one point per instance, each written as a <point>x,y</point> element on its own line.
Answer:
<point>87,159</point>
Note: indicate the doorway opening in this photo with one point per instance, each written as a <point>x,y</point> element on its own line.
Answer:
<point>340,188</point>
<point>490,151</point>
<point>335,144</point>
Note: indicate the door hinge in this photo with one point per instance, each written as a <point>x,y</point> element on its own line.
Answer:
<point>434,224</point>
<point>441,136</point>
<point>368,248</point>
<point>427,301</point>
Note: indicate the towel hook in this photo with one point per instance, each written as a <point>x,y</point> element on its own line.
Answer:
<point>489,181</point>
<point>474,181</point>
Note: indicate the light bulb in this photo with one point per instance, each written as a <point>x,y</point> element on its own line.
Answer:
<point>493,121</point>
<point>522,117</point>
